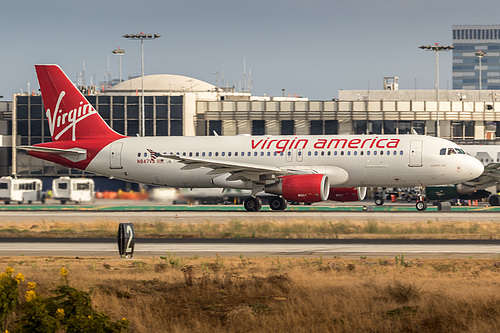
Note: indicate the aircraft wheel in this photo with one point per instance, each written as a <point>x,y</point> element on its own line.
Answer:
<point>379,201</point>
<point>494,200</point>
<point>277,203</point>
<point>20,202</point>
<point>252,204</point>
<point>421,205</point>
<point>63,202</point>
<point>7,202</point>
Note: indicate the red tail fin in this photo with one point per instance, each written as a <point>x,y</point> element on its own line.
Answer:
<point>70,115</point>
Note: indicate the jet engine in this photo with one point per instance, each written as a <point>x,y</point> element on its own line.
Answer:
<point>346,194</point>
<point>301,188</point>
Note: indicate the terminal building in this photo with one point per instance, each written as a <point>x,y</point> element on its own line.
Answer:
<point>178,105</point>
<point>476,49</point>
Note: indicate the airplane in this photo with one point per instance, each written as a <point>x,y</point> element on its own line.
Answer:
<point>487,185</point>
<point>300,168</point>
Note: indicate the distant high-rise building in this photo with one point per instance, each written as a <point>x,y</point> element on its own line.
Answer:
<point>469,40</point>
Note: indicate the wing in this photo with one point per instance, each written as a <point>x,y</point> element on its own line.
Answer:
<point>239,171</point>
<point>489,177</point>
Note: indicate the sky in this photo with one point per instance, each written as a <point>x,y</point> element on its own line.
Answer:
<point>309,48</point>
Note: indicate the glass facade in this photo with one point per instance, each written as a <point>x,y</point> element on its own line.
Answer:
<point>467,40</point>
<point>163,115</point>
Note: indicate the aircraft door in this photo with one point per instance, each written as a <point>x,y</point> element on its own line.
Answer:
<point>416,153</point>
<point>115,155</point>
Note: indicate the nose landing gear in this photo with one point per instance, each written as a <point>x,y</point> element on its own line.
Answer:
<point>421,204</point>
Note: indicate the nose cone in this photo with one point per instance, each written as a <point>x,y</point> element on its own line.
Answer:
<point>476,168</point>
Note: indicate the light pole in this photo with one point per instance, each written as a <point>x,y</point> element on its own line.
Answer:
<point>142,36</point>
<point>480,54</point>
<point>119,52</point>
<point>436,48</point>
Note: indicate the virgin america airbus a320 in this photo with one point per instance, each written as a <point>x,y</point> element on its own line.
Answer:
<point>300,168</point>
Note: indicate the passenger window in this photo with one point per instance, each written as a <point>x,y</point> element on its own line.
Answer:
<point>139,155</point>
<point>210,153</point>
<point>400,152</point>
<point>268,153</point>
<point>261,153</point>
<point>355,153</point>
<point>368,152</point>
<point>216,153</point>
<point>382,152</point>
<point>315,153</point>
<point>255,154</point>
<point>229,153</point>
<point>197,154</point>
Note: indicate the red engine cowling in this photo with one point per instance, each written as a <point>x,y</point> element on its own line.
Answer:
<point>346,194</point>
<point>305,188</point>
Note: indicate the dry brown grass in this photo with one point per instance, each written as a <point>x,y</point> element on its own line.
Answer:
<point>291,228</point>
<point>283,294</point>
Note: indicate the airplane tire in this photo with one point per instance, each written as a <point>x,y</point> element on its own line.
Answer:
<point>277,203</point>
<point>252,204</point>
<point>494,200</point>
<point>379,201</point>
<point>7,202</point>
<point>421,205</point>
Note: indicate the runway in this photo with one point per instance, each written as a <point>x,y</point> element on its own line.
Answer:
<point>226,216</point>
<point>254,247</point>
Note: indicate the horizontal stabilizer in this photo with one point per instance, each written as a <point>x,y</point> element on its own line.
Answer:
<point>72,154</point>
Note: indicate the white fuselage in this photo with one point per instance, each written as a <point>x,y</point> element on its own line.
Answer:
<point>384,160</point>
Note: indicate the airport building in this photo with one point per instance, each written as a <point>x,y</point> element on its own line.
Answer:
<point>476,53</point>
<point>179,105</point>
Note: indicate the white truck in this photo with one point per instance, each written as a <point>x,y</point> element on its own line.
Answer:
<point>78,190</point>
<point>21,190</point>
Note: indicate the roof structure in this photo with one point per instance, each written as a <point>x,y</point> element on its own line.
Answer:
<point>164,83</point>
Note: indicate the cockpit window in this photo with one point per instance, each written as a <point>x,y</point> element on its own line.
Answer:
<point>451,151</point>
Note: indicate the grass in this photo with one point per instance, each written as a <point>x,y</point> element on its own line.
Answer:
<point>292,228</point>
<point>173,294</point>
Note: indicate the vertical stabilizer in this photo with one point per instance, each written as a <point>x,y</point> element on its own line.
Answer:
<point>71,117</point>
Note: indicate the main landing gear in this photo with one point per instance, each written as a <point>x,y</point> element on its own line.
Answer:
<point>254,204</point>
